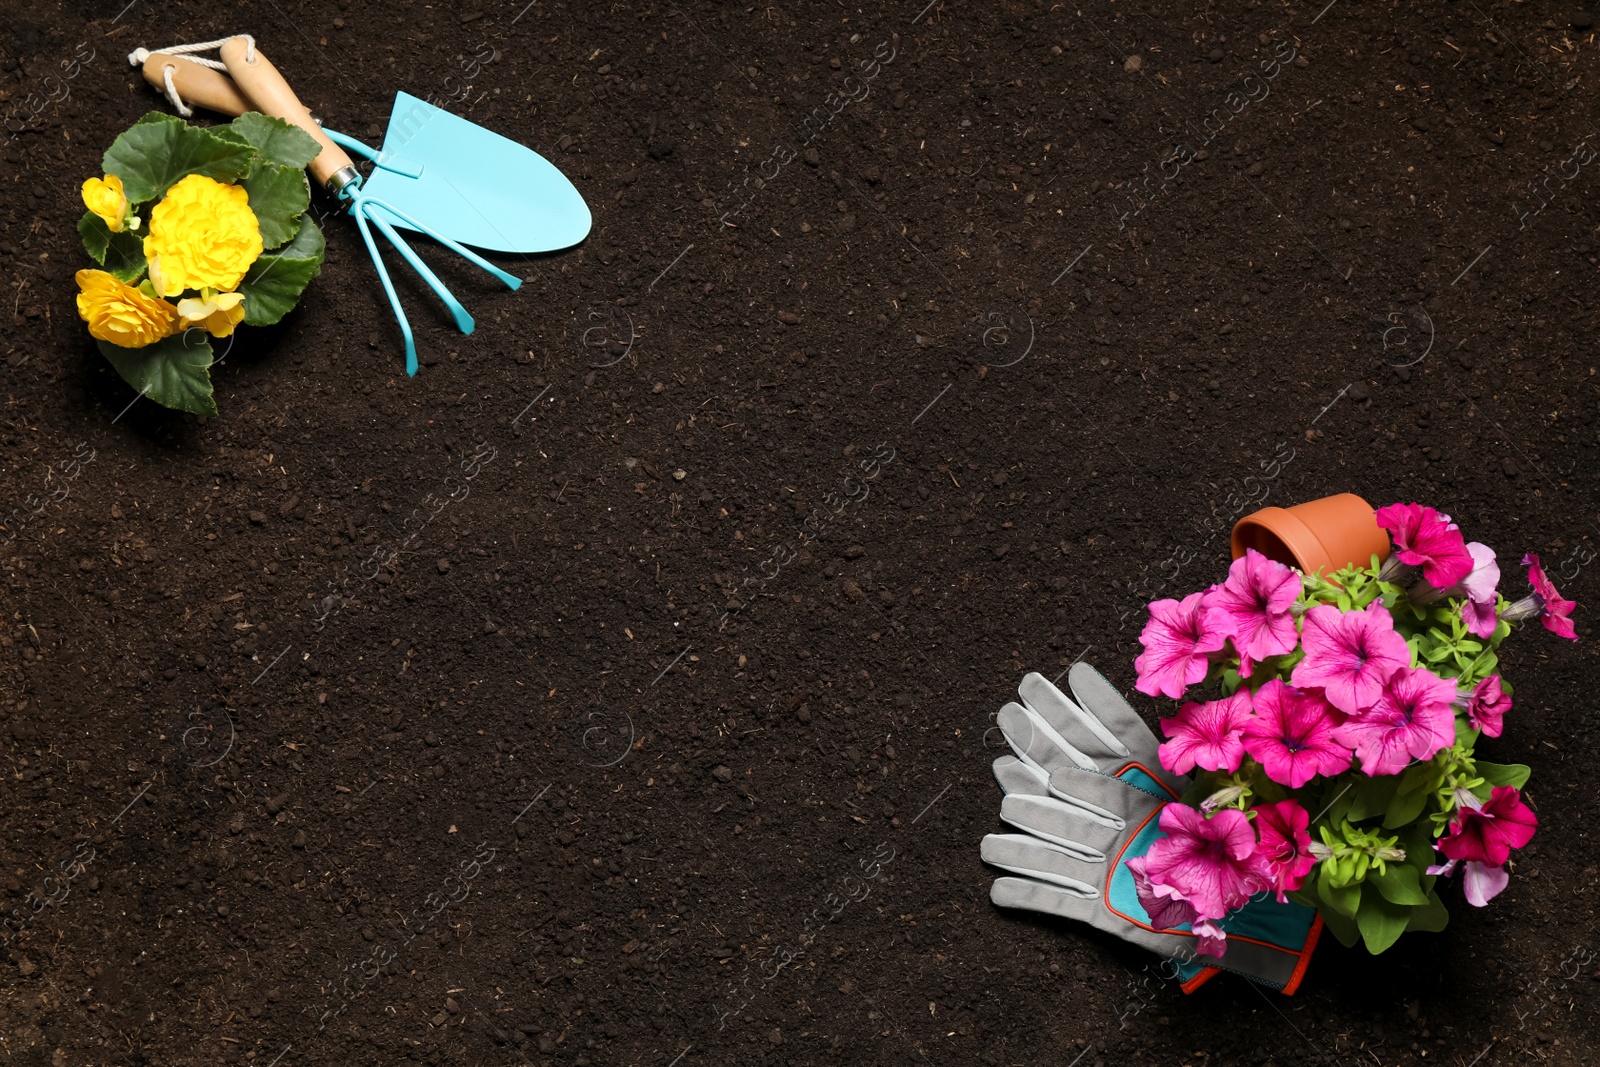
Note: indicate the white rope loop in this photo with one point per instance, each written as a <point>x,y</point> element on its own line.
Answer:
<point>138,56</point>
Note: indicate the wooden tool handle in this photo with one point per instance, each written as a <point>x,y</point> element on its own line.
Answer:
<point>264,87</point>
<point>208,88</point>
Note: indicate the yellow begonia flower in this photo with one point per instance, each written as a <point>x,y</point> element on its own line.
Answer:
<point>119,313</point>
<point>205,235</point>
<point>217,312</point>
<point>105,198</point>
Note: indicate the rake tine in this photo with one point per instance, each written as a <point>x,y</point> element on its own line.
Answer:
<point>463,319</point>
<point>388,287</point>
<point>511,280</point>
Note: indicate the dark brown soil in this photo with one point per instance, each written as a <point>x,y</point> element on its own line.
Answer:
<point>655,679</point>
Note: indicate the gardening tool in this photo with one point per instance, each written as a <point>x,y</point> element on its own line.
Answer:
<point>449,178</point>
<point>1086,786</point>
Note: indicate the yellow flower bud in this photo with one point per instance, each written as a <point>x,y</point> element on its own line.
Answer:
<point>121,314</point>
<point>218,313</point>
<point>205,235</point>
<point>105,198</point>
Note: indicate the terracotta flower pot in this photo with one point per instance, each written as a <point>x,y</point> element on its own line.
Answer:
<point>1322,535</point>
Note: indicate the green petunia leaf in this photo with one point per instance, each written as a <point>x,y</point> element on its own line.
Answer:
<point>1381,922</point>
<point>1345,901</point>
<point>279,195</point>
<point>1430,917</point>
<point>1343,927</point>
<point>274,282</point>
<point>175,372</point>
<point>275,140</point>
<point>1372,797</point>
<point>1512,774</point>
<point>1398,884</point>
<point>1406,807</point>
<point>160,149</point>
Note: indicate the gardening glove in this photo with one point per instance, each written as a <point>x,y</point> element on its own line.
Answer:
<point>1087,787</point>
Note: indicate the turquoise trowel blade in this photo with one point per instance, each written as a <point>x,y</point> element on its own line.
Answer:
<point>475,186</point>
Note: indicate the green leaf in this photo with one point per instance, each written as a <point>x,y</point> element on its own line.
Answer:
<point>1512,774</point>
<point>1345,901</point>
<point>278,141</point>
<point>1398,884</point>
<point>1431,917</point>
<point>274,283</point>
<point>279,195</point>
<point>1381,923</point>
<point>120,253</point>
<point>160,149</point>
<point>1406,808</point>
<point>174,372</point>
<point>96,236</point>
<point>1372,797</point>
<point>1343,927</point>
<point>308,243</point>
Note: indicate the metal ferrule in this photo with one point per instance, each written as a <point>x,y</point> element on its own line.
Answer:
<point>342,179</point>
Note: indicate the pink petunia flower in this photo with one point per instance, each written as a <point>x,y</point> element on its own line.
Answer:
<point>1486,705</point>
<point>1206,735</point>
<point>1252,607</point>
<point>1486,833</point>
<point>1285,843</point>
<point>1291,735</point>
<point>1411,720</point>
<point>1544,602</point>
<point>1350,654</point>
<point>1176,641</point>
<point>1168,909</point>
<point>1480,883</point>
<point>1424,538</point>
<point>1211,862</point>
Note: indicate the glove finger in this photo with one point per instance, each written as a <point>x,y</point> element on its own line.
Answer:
<point>1076,830</point>
<point>1111,799</point>
<point>1101,698</point>
<point>1031,895</point>
<point>1036,742</point>
<point>1017,777</point>
<point>1078,728</point>
<point>1030,857</point>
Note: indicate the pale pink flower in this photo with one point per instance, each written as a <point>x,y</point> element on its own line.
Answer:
<point>1285,843</point>
<point>1291,735</point>
<point>1350,654</point>
<point>1424,538</point>
<point>1177,641</point>
<point>1206,735</point>
<point>1411,720</point>
<point>1477,590</point>
<point>1480,883</point>
<point>1252,607</point>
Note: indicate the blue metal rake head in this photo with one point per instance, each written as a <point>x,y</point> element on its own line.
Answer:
<point>370,211</point>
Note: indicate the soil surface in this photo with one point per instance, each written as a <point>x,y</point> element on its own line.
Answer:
<point>912,349</point>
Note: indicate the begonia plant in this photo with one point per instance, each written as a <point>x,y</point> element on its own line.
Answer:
<point>198,230</point>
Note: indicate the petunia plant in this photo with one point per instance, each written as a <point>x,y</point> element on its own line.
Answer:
<point>1331,724</point>
<point>197,230</point>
